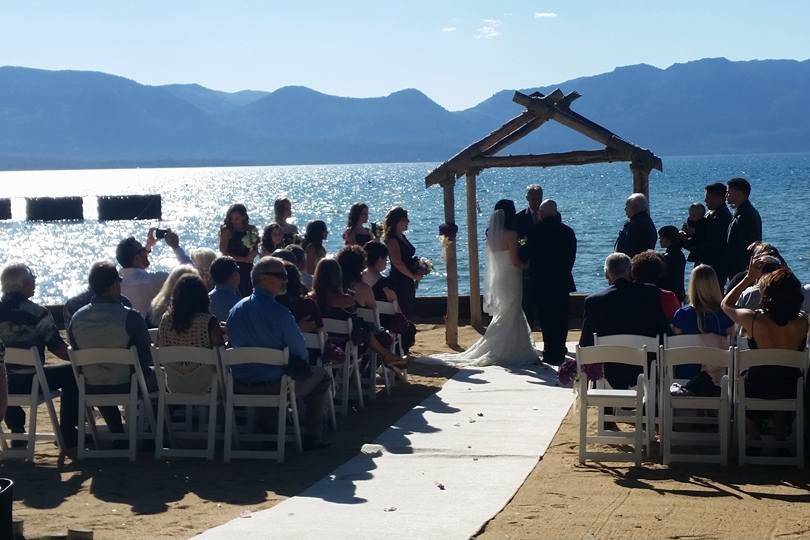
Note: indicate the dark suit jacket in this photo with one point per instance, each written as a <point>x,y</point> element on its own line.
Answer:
<point>744,229</point>
<point>708,244</point>
<point>638,234</point>
<point>552,252</point>
<point>524,226</point>
<point>623,308</point>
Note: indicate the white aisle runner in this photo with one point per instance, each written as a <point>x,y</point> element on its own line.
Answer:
<point>442,471</point>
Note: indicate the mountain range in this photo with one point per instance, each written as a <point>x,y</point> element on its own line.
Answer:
<point>57,119</point>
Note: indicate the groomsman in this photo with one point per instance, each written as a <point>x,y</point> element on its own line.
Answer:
<point>708,244</point>
<point>745,227</point>
<point>526,220</point>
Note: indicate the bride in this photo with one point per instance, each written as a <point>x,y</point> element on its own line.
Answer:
<point>507,339</point>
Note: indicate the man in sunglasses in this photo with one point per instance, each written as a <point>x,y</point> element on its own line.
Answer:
<point>260,321</point>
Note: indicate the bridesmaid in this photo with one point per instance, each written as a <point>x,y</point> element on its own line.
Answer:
<point>314,236</point>
<point>272,239</point>
<point>239,239</point>
<point>282,209</point>
<point>404,274</point>
<point>356,233</point>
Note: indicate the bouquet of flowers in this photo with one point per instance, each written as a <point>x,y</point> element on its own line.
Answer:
<point>424,266</point>
<point>251,238</point>
<point>447,233</point>
<point>376,230</point>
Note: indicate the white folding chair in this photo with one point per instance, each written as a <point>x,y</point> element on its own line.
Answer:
<point>391,308</point>
<point>317,341</point>
<point>153,334</point>
<point>652,417</point>
<point>708,357</point>
<point>350,369</point>
<point>40,394</point>
<point>138,395</point>
<point>281,401</point>
<point>372,316</point>
<point>165,358</point>
<point>608,397</point>
<point>770,357</point>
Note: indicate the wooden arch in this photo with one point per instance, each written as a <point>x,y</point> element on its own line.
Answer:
<point>481,155</point>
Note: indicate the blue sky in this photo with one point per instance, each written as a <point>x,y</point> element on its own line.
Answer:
<point>458,53</point>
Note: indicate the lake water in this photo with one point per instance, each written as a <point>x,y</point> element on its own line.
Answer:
<point>590,198</point>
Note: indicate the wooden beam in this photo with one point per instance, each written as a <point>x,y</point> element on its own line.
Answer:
<point>472,251</point>
<point>579,157</point>
<point>451,320</point>
<point>515,136</point>
<point>641,177</point>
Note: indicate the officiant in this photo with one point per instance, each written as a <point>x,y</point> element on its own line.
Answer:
<point>526,220</point>
<point>552,252</point>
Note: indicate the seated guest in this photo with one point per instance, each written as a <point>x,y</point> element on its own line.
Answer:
<point>356,232</point>
<point>189,323</point>
<point>625,307</point>
<point>703,315</point>
<point>304,309</point>
<point>73,304</point>
<point>260,321</point>
<point>105,323</point>
<point>225,273</point>
<point>674,261</point>
<point>751,297</point>
<point>272,239</point>
<point>160,303</point>
<point>201,259</point>
<point>301,263</point>
<point>648,267</point>
<point>778,324</point>
<point>24,324</point>
<point>755,250</point>
<point>284,255</point>
<point>314,237</point>
<point>335,303</point>
<point>139,285</point>
<point>352,261</point>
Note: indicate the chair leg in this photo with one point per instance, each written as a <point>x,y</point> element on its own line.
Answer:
<point>639,441</point>
<point>55,424</point>
<point>723,428</point>
<point>666,419</point>
<point>296,423</point>
<point>212,422</point>
<point>344,376</point>
<point>282,424</point>
<point>229,420</point>
<point>357,382</point>
<point>81,447</point>
<point>583,426</point>
<point>741,435</point>
<point>32,429</point>
<point>161,421</point>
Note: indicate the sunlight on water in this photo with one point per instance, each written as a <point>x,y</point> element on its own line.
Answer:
<point>591,200</point>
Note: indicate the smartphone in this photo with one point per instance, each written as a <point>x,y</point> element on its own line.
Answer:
<point>160,234</point>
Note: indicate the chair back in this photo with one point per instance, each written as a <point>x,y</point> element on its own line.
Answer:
<point>629,340</point>
<point>772,357</point>
<point>255,355</point>
<point>88,357</point>
<point>338,326</point>
<point>615,354</point>
<point>369,315</point>
<point>164,356</point>
<point>315,340</point>
<point>23,357</point>
<point>153,335</point>
<point>696,340</point>
<point>706,356</point>
<point>387,308</point>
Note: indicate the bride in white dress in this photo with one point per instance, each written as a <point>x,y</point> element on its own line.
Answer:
<point>507,339</point>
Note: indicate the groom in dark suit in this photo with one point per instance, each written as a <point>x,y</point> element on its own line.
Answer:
<point>526,220</point>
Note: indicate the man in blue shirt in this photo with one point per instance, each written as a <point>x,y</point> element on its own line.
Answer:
<point>260,321</point>
<point>225,273</point>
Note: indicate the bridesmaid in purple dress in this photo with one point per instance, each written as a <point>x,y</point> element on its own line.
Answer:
<point>404,274</point>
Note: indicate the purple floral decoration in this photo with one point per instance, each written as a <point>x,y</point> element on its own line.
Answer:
<point>568,372</point>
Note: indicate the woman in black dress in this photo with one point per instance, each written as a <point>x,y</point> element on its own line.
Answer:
<point>314,236</point>
<point>239,239</point>
<point>404,273</point>
<point>356,233</point>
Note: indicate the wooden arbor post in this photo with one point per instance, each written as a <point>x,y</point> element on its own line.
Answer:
<point>472,250</point>
<point>451,320</point>
<point>641,177</point>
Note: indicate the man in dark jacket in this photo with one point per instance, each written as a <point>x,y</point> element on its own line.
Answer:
<point>526,220</point>
<point>745,228</point>
<point>708,245</point>
<point>639,232</point>
<point>624,307</point>
<point>553,251</point>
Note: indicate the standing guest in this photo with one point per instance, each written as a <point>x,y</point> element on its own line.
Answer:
<point>314,237</point>
<point>160,303</point>
<point>404,274</point>
<point>526,220</point>
<point>674,261</point>
<point>138,285</point>
<point>239,239</point>
<point>189,323</point>
<point>73,304</point>
<point>260,321</point>
<point>625,307</point>
<point>282,210</point>
<point>744,229</point>
<point>648,268</point>
<point>708,244</point>
<point>225,295</point>
<point>553,247</point>
<point>304,309</point>
<point>301,264</point>
<point>272,239</point>
<point>702,315</point>
<point>638,233</point>
<point>105,323</point>
<point>202,258</point>
<point>778,324</point>
<point>24,324</point>
<point>356,232</point>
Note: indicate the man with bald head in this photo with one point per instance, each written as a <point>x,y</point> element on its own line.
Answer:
<point>553,252</point>
<point>639,233</point>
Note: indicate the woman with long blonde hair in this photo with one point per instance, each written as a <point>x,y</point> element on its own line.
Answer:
<point>160,303</point>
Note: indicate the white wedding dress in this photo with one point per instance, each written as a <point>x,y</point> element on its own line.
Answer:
<point>507,340</point>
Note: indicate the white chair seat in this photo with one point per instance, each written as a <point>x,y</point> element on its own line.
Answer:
<point>628,396</point>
